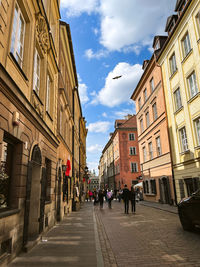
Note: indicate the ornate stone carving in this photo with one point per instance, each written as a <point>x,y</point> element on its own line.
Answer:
<point>37,105</point>
<point>42,32</point>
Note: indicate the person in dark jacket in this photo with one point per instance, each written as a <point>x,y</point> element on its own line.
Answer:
<point>101,197</point>
<point>132,199</point>
<point>126,197</point>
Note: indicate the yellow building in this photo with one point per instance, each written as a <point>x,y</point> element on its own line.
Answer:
<point>29,49</point>
<point>180,62</point>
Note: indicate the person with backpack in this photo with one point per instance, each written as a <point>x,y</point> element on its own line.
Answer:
<point>110,198</point>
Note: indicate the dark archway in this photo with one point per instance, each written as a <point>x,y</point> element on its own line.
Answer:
<point>33,196</point>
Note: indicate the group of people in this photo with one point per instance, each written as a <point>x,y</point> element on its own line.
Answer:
<point>125,194</point>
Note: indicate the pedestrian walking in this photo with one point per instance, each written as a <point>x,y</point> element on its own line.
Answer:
<point>110,198</point>
<point>101,197</point>
<point>87,195</point>
<point>126,197</point>
<point>132,199</point>
<point>90,195</point>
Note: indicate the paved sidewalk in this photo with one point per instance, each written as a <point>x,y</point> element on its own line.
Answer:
<point>73,242</point>
<point>165,207</point>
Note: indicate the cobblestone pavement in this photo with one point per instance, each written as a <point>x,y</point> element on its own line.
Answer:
<point>151,237</point>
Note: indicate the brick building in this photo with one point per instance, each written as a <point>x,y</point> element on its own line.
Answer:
<point>120,163</point>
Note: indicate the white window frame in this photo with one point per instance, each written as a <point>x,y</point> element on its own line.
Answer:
<point>192,84</point>
<point>158,146</point>
<point>141,126</point>
<point>183,139</point>
<point>197,130</point>
<point>134,167</point>
<point>18,35</point>
<point>132,150</point>
<point>48,96</point>
<point>36,74</point>
<point>155,113</point>
<point>139,102</point>
<point>186,46</point>
<point>145,95</point>
<point>172,63</point>
<point>147,119</point>
<point>144,154</point>
<point>177,99</point>
<point>152,85</point>
<point>130,136</point>
<point>150,145</point>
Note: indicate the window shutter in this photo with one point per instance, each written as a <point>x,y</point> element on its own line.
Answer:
<point>144,186</point>
<point>181,187</point>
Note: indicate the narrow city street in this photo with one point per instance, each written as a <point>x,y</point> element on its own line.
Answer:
<point>108,237</point>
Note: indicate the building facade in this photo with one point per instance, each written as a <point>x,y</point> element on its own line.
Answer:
<point>119,163</point>
<point>180,62</point>
<point>36,139</point>
<point>154,147</point>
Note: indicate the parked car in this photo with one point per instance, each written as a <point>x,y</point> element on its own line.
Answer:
<point>189,211</point>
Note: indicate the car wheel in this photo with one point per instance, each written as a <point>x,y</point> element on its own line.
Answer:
<point>187,226</point>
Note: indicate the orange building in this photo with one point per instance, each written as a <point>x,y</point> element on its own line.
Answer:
<point>154,147</point>
<point>126,152</point>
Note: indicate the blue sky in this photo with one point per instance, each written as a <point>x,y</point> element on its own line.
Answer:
<point>110,38</point>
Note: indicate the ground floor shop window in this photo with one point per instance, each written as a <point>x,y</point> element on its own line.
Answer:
<point>5,172</point>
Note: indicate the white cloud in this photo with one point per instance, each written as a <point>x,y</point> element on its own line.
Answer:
<point>122,113</point>
<point>124,25</point>
<point>93,165</point>
<point>94,148</point>
<point>99,54</point>
<point>82,91</point>
<point>104,115</point>
<point>129,22</point>
<point>118,91</point>
<point>99,127</point>
<point>77,7</point>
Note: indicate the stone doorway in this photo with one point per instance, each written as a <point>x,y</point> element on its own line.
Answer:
<point>165,195</point>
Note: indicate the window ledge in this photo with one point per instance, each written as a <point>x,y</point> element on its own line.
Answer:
<point>18,66</point>
<point>185,152</point>
<point>194,97</point>
<point>186,57</point>
<point>49,115</point>
<point>38,97</point>
<point>178,110</point>
<point>173,74</point>
<point>197,147</point>
<point>9,212</point>
<point>47,202</point>
<point>150,194</point>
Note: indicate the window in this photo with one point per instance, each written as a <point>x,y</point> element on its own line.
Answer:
<point>145,94</point>
<point>5,173</point>
<point>147,119</point>
<point>134,167</point>
<point>150,151</point>
<point>48,179</point>
<point>144,154</point>
<point>48,94</point>
<point>197,129</point>
<point>192,85</point>
<point>153,186</point>
<point>141,126</point>
<point>61,119</point>
<point>131,136</point>
<point>139,103</point>
<point>183,139</point>
<point>152,84</point>
<point>177,99</point>
<point>36,75</point>
<point>158,146</point>
<point>155,115</point>
<point>186,45</point>
<point>18,33</point>
<point>172,63</point>
<point>198,21</point>
<point>132,150</point>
